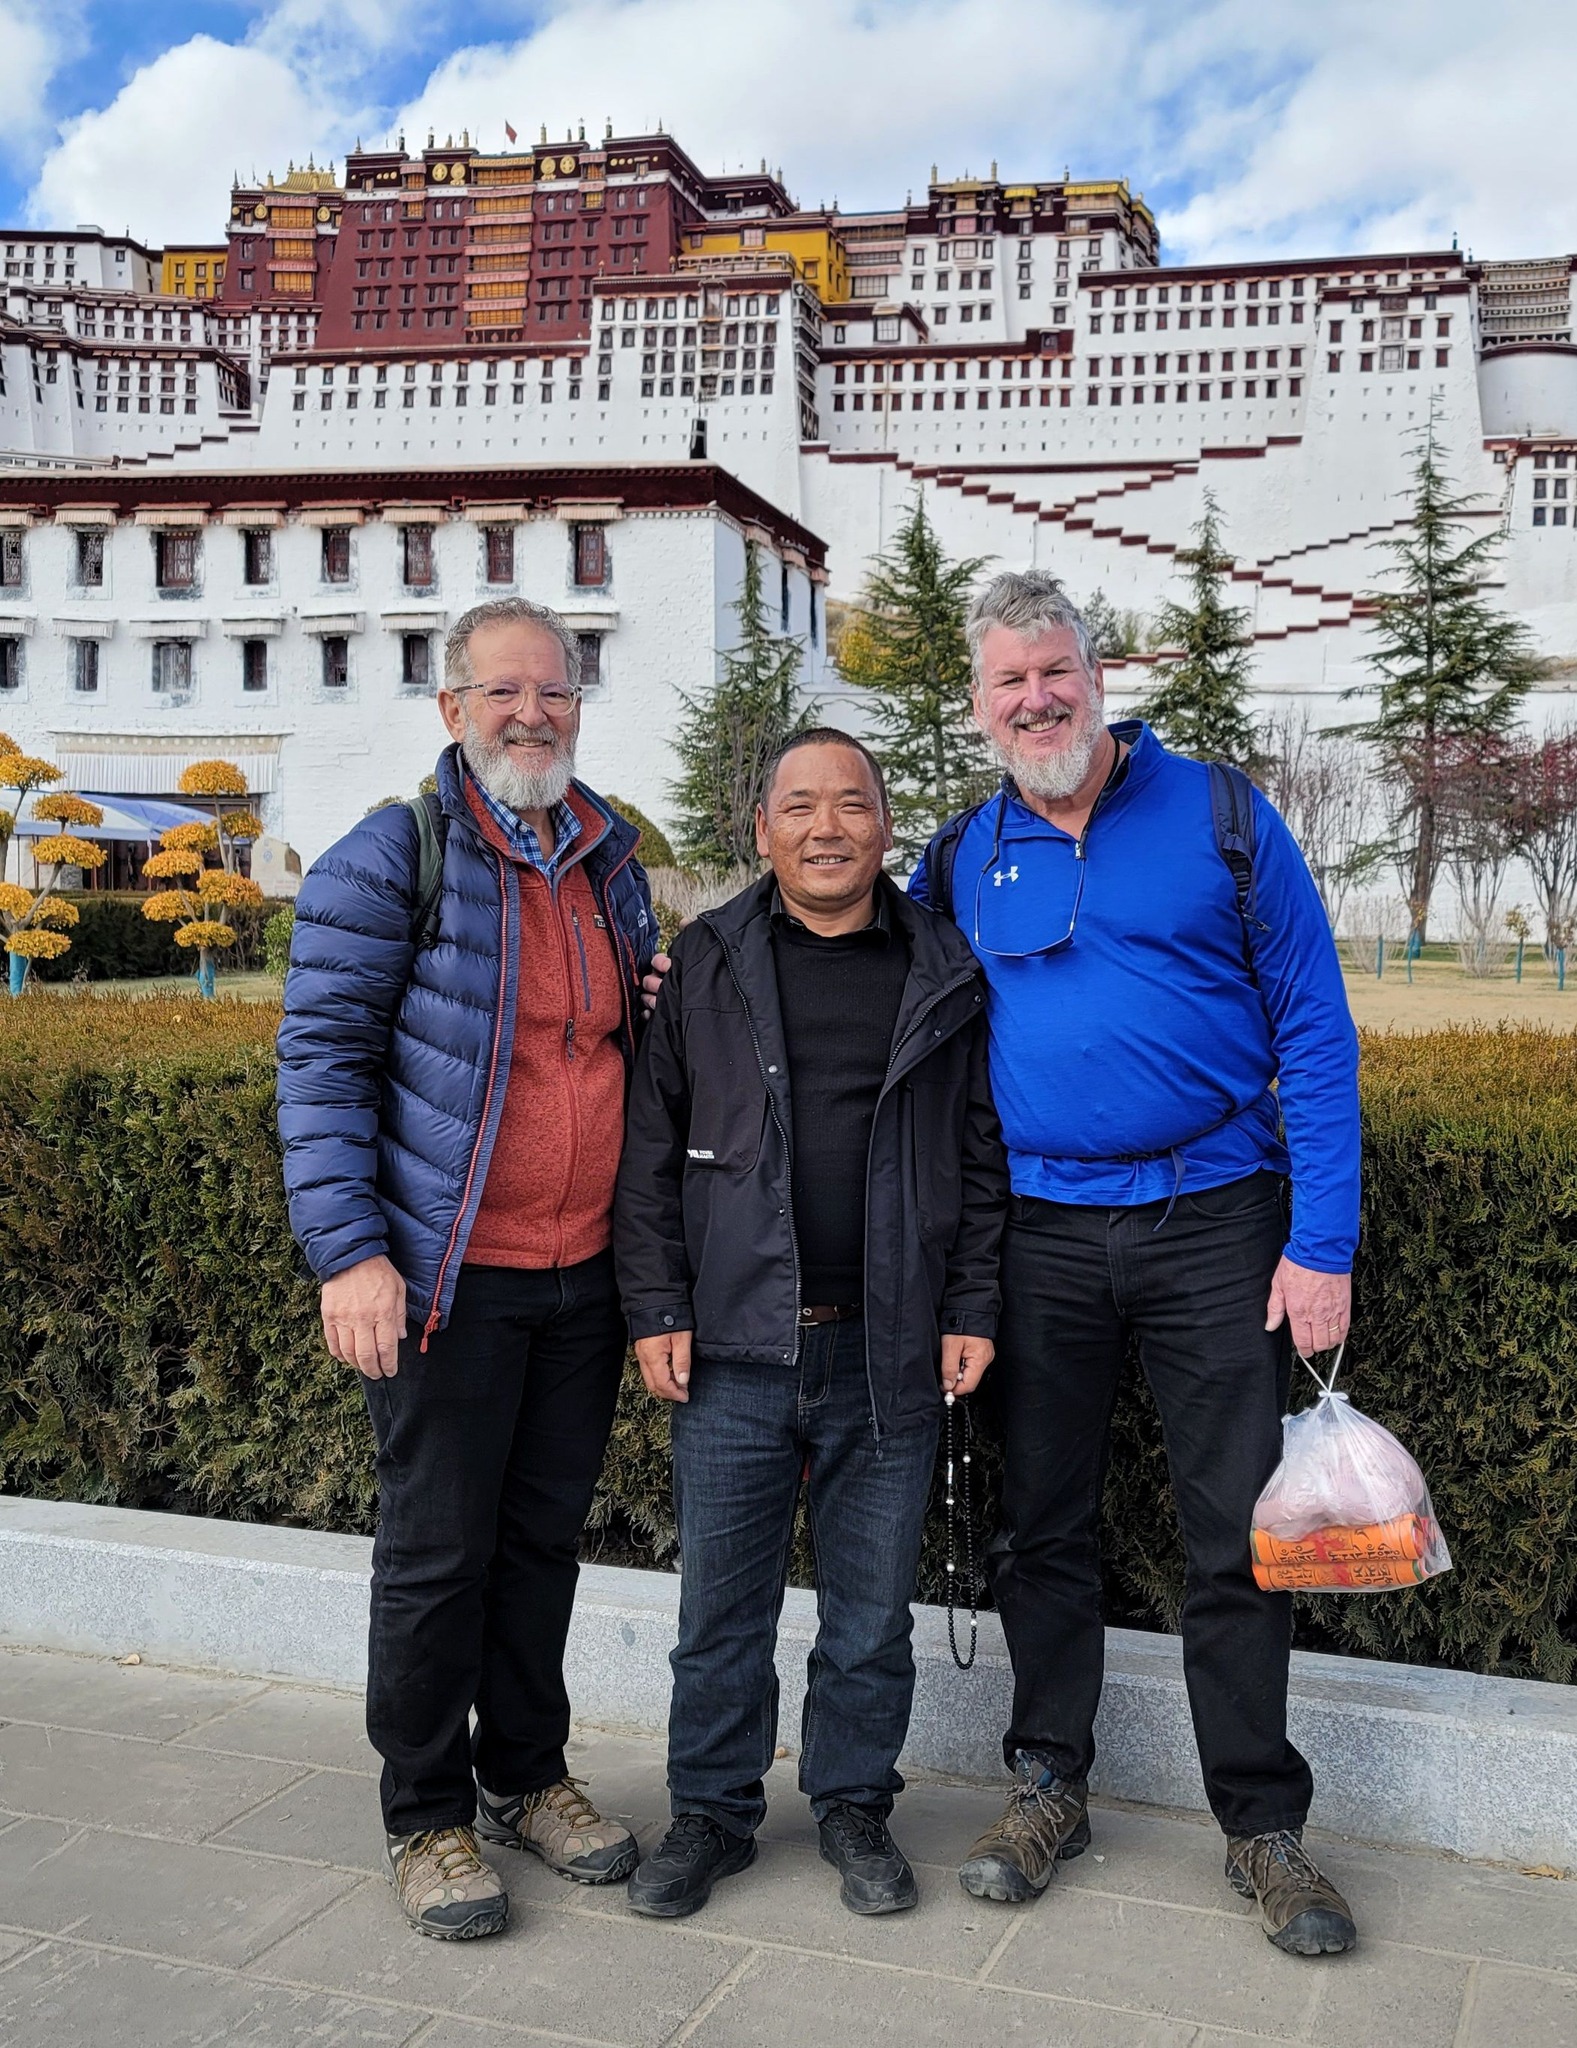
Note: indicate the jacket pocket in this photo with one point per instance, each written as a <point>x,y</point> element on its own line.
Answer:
<point>724,1135</point>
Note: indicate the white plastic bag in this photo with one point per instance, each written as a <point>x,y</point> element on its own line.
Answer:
<point>1346,1509</point>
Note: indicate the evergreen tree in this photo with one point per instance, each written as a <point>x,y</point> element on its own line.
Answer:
<point>1198,702</point>
<point>729,733</point>
<point>905,647</point>
<point>1452,668</point>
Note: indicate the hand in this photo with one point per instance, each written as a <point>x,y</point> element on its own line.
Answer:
<point>364,1317</point>
<point>665,1364</point>
<point>652,985</point>
<point>1316,1307</point>
<point>964,1361</point>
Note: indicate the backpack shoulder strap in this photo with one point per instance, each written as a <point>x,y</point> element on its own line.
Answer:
<point>432,830</point>
<point>1236,829</point>
<point>941,857</point>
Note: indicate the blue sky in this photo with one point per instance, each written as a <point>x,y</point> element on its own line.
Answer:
<point>1251,126</point>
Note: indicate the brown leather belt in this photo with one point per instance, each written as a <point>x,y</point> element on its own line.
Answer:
<point>829,1312</point>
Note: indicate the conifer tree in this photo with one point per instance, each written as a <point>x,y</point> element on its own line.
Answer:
<point>729,733</point>
<point>1198,703</point>
<point>905,646</point>
<point>1452,668</point>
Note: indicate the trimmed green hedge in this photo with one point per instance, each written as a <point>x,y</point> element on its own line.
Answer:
<point>159,1344</point>
<point>113,941</point>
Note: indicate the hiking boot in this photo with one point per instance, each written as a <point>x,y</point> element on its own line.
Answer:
<point>677,1878</point>
<point>561,1826</point>
<point>1044,1822</point>
<point>875,1871</point>
<point>1300,1909</point>
<point>443,1886</point>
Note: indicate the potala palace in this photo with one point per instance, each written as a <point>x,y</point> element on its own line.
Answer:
<point>245,487</point>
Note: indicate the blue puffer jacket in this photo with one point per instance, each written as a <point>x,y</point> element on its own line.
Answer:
<point>392,1061</point>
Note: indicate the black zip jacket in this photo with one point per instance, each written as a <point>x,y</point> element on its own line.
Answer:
<point>703,1222</point>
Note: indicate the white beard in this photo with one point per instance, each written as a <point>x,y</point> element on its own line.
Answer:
<point>1059,775</point>
<point>519,789</point>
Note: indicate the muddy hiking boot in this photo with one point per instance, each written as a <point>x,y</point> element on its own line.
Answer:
<point>443,1886</point>
<point>1044,1822</point>
<point>1300,1909</point>
<point>561,1826</point>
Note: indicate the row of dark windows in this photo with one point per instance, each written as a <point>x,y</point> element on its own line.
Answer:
<point>176,556</point>
<point>171,663</point>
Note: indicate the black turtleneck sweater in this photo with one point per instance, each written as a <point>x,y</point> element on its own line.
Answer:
<point>839,998</point>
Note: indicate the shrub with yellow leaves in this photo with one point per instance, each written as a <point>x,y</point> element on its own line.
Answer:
<point>212,778</point>
<point>204,934</point>
<point>173,860</point>
<point>64,809</point>
<point>30,918</point>
<point>193,838</point>
<point>24,773</point>
<point>35,943</point>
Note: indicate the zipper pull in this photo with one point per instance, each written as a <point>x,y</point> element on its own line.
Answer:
<point>569,1038</point>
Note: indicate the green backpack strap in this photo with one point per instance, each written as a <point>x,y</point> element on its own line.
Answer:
<point>432,829</point>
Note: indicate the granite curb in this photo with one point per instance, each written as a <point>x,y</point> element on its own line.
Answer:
<point>1403,1755</point>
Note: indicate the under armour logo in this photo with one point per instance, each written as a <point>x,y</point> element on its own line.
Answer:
<point>1011,875</point>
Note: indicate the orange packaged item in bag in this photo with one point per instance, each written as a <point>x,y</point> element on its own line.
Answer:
<point>1346,1510</point>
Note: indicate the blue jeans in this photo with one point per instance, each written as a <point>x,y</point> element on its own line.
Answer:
<point>740,1446</point>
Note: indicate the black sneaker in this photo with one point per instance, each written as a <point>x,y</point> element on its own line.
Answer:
<point>1300,1909</point>
<point>677,1878</point>
<point>875,1871</point>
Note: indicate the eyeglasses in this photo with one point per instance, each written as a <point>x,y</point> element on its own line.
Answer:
<point>556,699</point>
<point>1005,876</point>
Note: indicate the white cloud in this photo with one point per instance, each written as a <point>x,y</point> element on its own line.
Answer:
<point>1254,125</point>
<point>32,44</point>
<point>159,157</point>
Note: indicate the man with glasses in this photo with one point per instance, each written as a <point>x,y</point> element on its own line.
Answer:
<point>453,1066</point>
<point>1165,1056</point>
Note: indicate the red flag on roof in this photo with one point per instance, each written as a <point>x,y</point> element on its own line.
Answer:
<point>510,133</point>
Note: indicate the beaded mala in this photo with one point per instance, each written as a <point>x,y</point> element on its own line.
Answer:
<point>960,1495</point>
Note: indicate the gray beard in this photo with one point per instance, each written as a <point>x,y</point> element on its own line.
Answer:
<point>1061,774</point>
<point>517,788</point>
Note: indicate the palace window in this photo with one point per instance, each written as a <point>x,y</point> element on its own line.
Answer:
<point>254,665</point>
<point>499,542</point>
<point>336,661</point>
<point>175,560</point>
<point>590,556</point>
<point>90,557</point>
<point>10,662</point>
<point>336,554</point>
<point>416,660</point>
<point>416,556</point>
<point>172,668</point>
<point>589,676</point>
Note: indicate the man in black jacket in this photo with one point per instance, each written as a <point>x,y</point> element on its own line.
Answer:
<point>806,1230</point>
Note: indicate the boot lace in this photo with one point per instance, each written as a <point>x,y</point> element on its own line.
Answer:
<point>690,1835</point>
<point>859,1832</point>
<point>1282,1851</point>
<point>567,1799</point>
<point>450,1853</point>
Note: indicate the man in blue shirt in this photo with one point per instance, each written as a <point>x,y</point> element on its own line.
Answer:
<point>1138,1022</point>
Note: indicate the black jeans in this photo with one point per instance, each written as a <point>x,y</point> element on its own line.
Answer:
<point>740,1445</point>
<point>1075,1283</point>
<point>489,1447</point>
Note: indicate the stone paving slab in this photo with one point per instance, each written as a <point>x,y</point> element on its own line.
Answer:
<point>188,1861</point>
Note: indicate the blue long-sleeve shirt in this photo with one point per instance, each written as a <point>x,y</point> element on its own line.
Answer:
<point>1147,1034</point>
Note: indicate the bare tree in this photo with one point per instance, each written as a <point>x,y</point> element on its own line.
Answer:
<point>1544,821</point>
<point>1324,785</point>
<point>1475,810</point>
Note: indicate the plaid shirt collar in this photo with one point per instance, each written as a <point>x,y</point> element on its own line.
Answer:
<point>522,838</point>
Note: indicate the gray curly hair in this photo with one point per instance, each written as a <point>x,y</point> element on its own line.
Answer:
<point>504,611</point>
<point>1027,601</point>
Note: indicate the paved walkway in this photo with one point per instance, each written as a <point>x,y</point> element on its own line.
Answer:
<point>192,1860</point>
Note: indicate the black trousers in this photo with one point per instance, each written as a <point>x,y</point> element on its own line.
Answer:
<point>489,1446</point>
<point>1075,1283</point>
